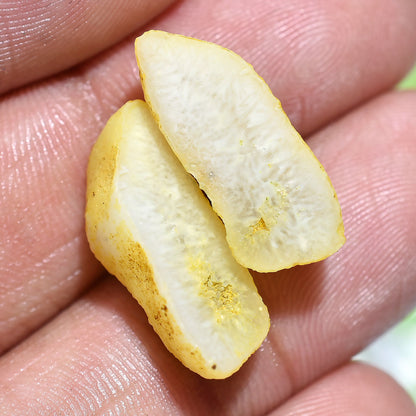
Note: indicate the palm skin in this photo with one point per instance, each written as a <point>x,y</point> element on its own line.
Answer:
<point>73,340</point>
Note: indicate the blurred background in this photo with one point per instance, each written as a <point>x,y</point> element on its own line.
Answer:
<point>395,351</point>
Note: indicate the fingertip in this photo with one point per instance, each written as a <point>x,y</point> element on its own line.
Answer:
<point>354,389</point>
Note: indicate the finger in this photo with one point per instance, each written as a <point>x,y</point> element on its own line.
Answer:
<point>97,357</point>
<point>353,389</point>
<point>41,38</point>
<point>48,131</point>
<point>47,135</point>
<point>105,353</point>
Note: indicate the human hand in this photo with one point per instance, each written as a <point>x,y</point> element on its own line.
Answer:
<point>73,339</point>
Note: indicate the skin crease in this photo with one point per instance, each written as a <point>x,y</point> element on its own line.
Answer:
<point>99,356</point>
<point>50,39</point>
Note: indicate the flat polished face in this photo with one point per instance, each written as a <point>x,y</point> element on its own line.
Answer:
<point>183,257</point>
<point>229,131</point>
<point>152,227</point>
